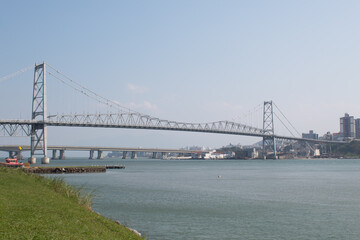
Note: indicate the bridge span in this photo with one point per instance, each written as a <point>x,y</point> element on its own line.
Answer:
<point>23,127</point>
<point>156,152</point>
<point>36,128</point>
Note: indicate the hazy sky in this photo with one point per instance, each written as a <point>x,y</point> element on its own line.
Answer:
<point>193,61</point>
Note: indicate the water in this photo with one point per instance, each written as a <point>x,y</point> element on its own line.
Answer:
<point>283,199</point>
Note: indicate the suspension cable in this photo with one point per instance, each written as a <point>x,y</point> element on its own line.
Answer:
<point>284,125</point>
<point>79,90</point>
<point>308,144</point>
<point>92,92</point>
<point>15,73</point>
<point>245,116</point>
<point>286,119</point>
<point>93,95</point>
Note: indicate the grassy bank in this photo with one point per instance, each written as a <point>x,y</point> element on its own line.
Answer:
<point>34,207</point>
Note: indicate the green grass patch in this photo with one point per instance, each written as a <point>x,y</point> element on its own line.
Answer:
<point>35,207</point>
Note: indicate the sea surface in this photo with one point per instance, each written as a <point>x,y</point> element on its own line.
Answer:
<point>227,199</point>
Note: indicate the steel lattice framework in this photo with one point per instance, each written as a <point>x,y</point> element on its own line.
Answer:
<point>137,120</point>
<point>22,127</point>
<point>269,142</point>
<point>39,131</point>
<point>15,128</point>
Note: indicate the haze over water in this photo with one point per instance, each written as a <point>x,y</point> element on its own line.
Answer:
<point>229,199</point>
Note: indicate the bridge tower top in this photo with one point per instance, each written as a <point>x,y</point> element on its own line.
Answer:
<point>39,93</point>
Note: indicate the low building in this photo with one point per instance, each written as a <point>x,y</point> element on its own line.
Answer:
<point>310,135</point>
<point>328,136</point>
<point>219,155</point>
<point>253,153</point>
<point>337,137</point>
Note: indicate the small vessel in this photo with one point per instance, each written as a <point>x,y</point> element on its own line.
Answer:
<point>12,162</point>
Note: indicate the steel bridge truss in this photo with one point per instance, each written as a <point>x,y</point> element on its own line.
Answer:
<point>14,129</point>
<point>136,120</point>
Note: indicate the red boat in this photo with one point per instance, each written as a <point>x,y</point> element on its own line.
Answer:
<point>12,162</point>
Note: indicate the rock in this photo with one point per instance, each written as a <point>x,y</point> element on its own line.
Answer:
<point>134,231</point>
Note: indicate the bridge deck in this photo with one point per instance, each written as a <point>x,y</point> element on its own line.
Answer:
<point>95,148</point>
<point>18,125</point>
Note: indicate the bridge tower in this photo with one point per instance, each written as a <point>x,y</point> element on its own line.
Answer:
<point>38,130</point>
<point>268,128</point>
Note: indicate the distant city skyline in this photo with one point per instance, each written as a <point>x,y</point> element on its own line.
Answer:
<point>191,61</point>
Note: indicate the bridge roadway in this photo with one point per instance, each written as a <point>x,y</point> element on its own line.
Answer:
<point>24,126</point>
<point>15,149</point>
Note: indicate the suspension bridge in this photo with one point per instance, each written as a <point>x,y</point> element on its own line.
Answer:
<point>36,127</point>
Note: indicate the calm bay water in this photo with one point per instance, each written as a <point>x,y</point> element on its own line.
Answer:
<point>228,199</point>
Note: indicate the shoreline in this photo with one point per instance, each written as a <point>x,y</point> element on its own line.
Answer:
<point>49,202</point>
<point>78,169</point>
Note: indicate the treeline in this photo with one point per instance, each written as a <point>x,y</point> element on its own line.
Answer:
<point>351,149</point>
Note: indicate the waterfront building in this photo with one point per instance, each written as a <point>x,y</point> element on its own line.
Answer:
<point>328,136</point>
<point>347,126</point>
<point>219,155</point>
<point>357,128</point>
<point>337,137</point>
<point>253,153</point>
<point>310,135</point>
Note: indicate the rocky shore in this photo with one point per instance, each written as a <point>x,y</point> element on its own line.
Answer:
<point>51,170</point>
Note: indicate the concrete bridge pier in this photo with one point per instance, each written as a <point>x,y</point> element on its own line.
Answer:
<point>154,155</point>
<point>91,154</point>
<point>124,155</point>
<point>100,154</point>
<point>54,155</point>
<point>163,154</point>
<point>133,155</point>
<point>62,154</point>
<point>32,160</point>
<point>45,160</point>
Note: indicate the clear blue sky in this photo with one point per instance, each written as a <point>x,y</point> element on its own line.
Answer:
<point>194,61</point>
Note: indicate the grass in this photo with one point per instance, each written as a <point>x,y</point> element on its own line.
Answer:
<point>34,207</point>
